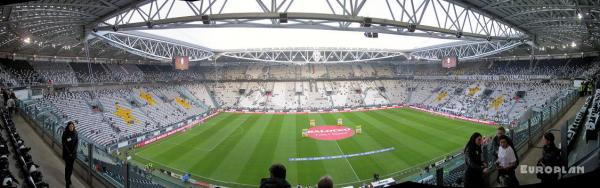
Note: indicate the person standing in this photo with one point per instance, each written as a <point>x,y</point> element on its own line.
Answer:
<point>506,163</point>
<point>277,179</point>
<point>500,131</point>
<point>550,158</point>
<point>476,168</point>
<point>10,104</point>
<point>5,95</point>
<point>70,141</point>
<point>325,182</point>
<point>2,106</point>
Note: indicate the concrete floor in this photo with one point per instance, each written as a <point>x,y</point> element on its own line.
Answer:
<point>534,154</point>
<point>51,164</point>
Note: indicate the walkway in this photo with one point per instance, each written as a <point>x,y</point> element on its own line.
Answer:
<point>533,155</point>
<point>51,164</point>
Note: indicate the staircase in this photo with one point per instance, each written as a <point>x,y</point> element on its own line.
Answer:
<point>212,98</point>
<point>327,72</point>
<point>409,93</point>
<point>187,95</point>
<point>136,100</point>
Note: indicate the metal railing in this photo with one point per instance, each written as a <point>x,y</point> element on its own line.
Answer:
<point>523,134</point>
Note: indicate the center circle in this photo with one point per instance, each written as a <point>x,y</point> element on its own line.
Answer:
<point>330,132</point>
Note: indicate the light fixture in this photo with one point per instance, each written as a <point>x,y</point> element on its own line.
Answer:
<point>27,40</point>
<point>579,16</point>
<point>573,44</point>
<point>205,19</point>
<point>283,18</point>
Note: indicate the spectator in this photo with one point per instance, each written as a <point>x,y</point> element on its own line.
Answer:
<point>2,107</point>
<point>277,179</point>
<point>476,168</point>
<point>496,142</point>
<point>551,158</point>
<point>10,104</point>
<point>70,141</point>
<point>325,182</point>
<point>506,163</point>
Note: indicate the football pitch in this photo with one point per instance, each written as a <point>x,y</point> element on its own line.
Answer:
<point>236,150</point>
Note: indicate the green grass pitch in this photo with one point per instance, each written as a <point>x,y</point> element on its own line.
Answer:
<point>237,149</point>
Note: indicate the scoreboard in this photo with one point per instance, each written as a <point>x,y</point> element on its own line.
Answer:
<point>181,62</point>
<point>449,62</point>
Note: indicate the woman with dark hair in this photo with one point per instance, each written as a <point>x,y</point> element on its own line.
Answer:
<point>476,168</point>
<point>69,143</point>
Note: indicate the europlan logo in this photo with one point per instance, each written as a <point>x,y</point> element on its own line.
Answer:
<point>526,169</point>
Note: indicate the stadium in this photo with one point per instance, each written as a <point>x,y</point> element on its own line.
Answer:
<point>284,93</point>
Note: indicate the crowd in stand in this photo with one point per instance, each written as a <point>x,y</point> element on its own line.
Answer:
<point>23,73</point>
<point>97,111</point>
<point>502,101</point>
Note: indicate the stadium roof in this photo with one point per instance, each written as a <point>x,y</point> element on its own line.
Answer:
<point>225,39</point>
<point>58,28</point>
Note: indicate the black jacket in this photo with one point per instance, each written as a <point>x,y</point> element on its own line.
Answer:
<point>274,183</point>
<point>550,157</point>
<point>474,171</point>
<point>70,141</point>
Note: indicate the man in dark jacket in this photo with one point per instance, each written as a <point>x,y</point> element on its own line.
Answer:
<point>69,143</point>
<point>277,179</point>
<point>550,158</point>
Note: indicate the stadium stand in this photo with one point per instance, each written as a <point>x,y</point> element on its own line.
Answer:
<point>131,73</point>
<point>32,177</point>
<point>114,114</point>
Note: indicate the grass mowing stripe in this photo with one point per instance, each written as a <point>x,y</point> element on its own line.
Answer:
<point>231,165</point>
<point>460,129</point>
<point>286,146</point>
<point>338,168</point>
<point>151,152</point>
<point>364,142</point>
<point>371,131</point>
<point>331,118</point>
<point>245,145</point>
<point>356,144</point>
<point>308,172</point>
<point>208,164</point>
<point>173,153</point>
<point>261,157</point>
<point>414,132</point>
<point>403,138</point>
<point>204,143</point>
<point>436,124</point>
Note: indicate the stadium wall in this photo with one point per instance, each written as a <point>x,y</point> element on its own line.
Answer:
<point>142,143</point>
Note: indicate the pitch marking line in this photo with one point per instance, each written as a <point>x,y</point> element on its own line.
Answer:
<point>193,174</point>
<point>347,161</point>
